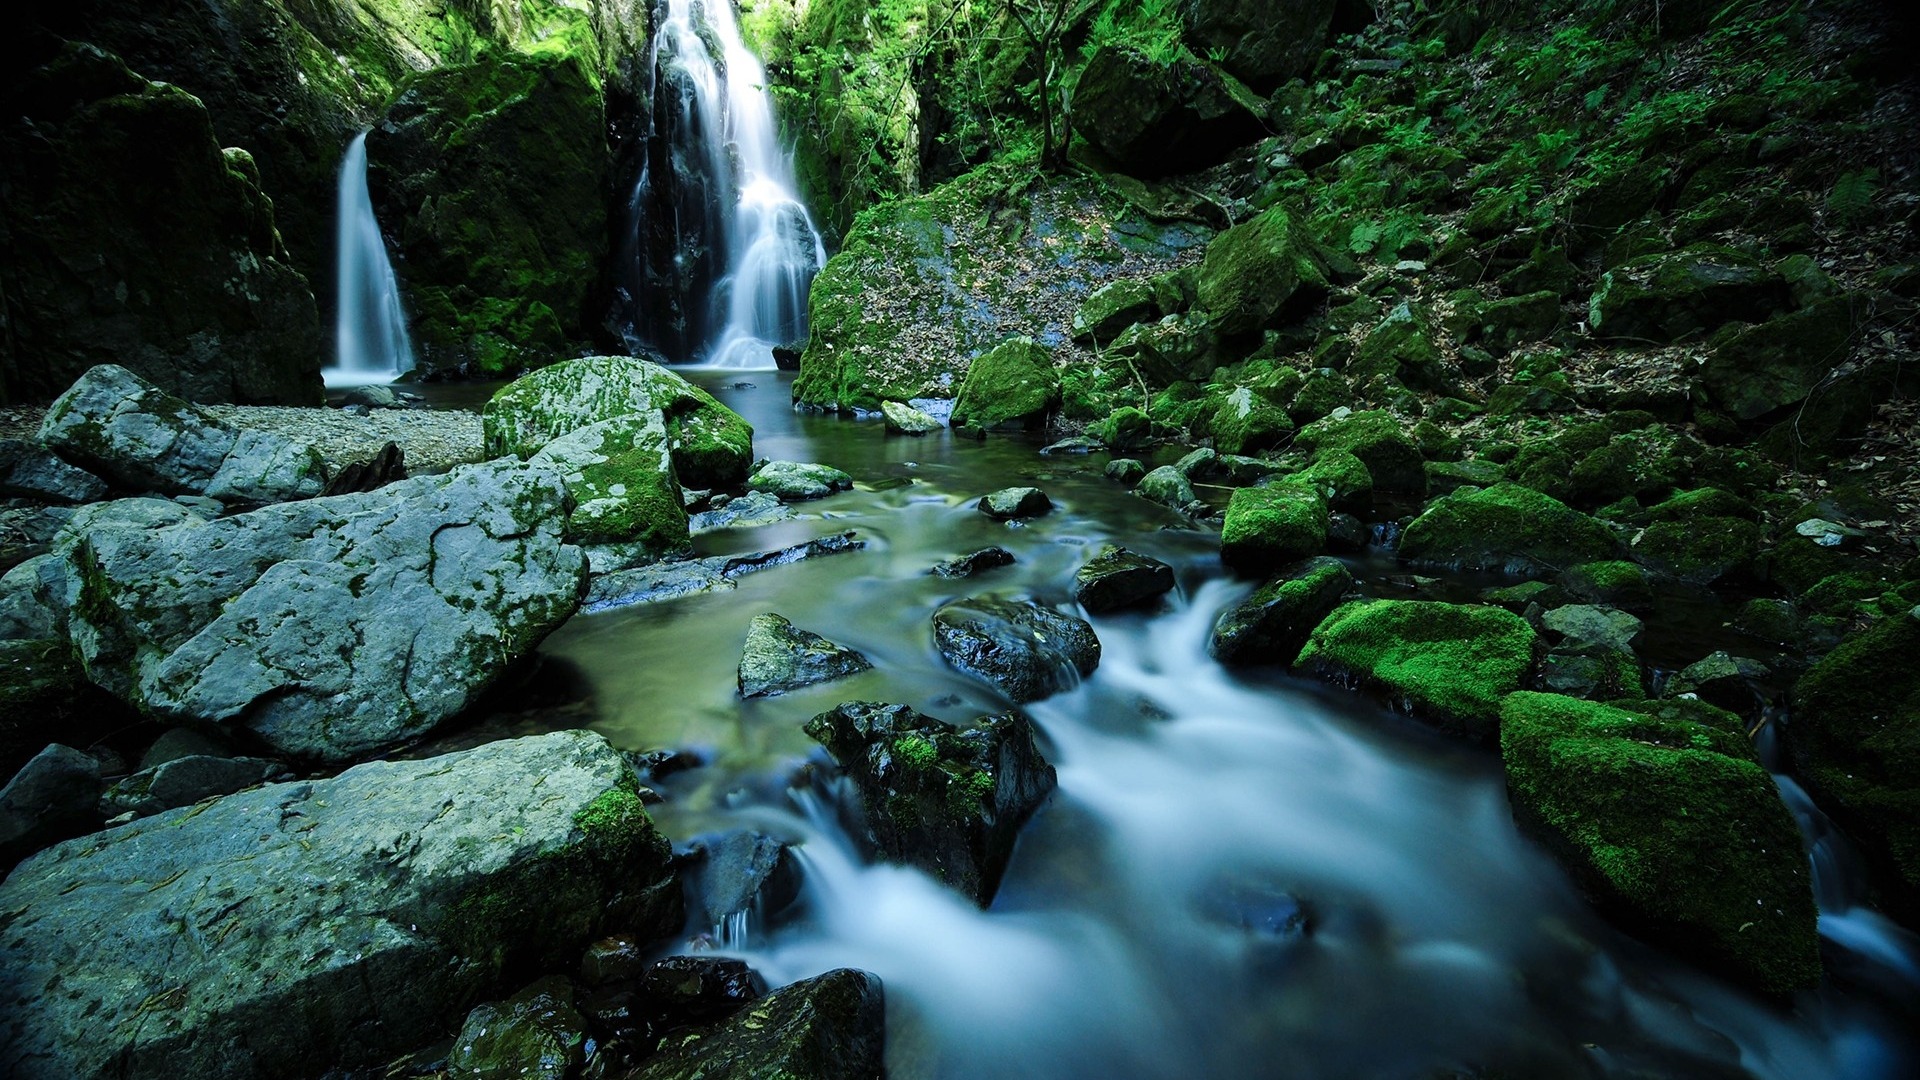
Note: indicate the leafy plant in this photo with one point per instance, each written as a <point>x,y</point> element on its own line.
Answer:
<point>1851,199</point>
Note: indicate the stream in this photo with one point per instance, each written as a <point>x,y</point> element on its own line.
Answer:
<point>1239,874</point>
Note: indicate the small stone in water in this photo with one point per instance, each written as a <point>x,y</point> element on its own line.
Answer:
<point>1015,502</point>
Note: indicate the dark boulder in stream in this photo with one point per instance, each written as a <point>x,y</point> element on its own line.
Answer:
<point>1027,651</point>
<point>332,922</point>
<point>830,1027</point>
<point>947,800</point>
<point>779,657</point>
<point>1116,579</point>
<point>1270,626</point>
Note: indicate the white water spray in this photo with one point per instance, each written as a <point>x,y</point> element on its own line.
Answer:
<point>371,329</point>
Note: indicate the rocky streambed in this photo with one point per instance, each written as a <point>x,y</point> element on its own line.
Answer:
<point>696,736</point>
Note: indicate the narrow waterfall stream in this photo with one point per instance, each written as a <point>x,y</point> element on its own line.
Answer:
<point>1239,875</point>
<point>721,250</point>
<point>371,343</point>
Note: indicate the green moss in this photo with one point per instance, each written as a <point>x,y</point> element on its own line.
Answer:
<point>1378,439</point>
<point>1699,550</point>
<point>915,751</point>
<point>1013,383</point>
<point>1673,824</point>
<point>1612,581</point>
<point>1272,525</point>
<point>1450,663</point>
<point>1506,526</point>
<point>1247,424</point>
<point>1253,270</point>
<point>1270,626</point>
<point>1341,478</point>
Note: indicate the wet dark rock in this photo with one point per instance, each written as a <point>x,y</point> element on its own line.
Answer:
<point>385,467</point>
<point>137,436</point>
<point>1507,526</point>
<point>426,589</point>
<point>29,472</point>
<point>51,798</point>
<point>695,990</point>
<point>973,562</point>
<point>179,742</point>
<point>535,1033</point>
<point>1265,42</point>
<point>947,800</point>
<point>1115,579</point>
<point>798,481</point>
<point>748,511</point>
<point>343,918</point>
<point>1671,824</point>
<point>738,872</point>
<point>1155,118</point>
<point>1073,444</point>
<point>1026,651</point>
<point>780,656</point>
<point>1722,679</point>
<point>184,781</point>
<point>613,959</point>
<point>1587,627</point>
<point>1346,533</point>
<point>1270,626</point>
<point>1015,502</point>
<point>670,580</point>
<point>1125,470</point>
<point>1687,294</point>
<point>830,1027</point>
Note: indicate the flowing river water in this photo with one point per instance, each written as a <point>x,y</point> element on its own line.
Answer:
<point>1239,875</point>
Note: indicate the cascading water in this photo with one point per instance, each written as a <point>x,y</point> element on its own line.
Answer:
<point>371,344</point>
<point>721,251</point>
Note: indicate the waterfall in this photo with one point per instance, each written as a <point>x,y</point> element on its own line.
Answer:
<point>721,251</point>
<point>371,340</point>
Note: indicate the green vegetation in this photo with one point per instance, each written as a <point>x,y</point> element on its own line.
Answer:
<point>1450,664</point>
<point>1272,525</point>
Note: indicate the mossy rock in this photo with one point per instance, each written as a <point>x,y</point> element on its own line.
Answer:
<point>712,445</point>
<point>1797,564</point>
<point>1610,581</point>
<point>1686,294</point>
<point>1505,527</point>
<point>1673,826</point>
<point>1379,440</point>
<point>1756,371</point>
<point>1012,385</point>
<point>1270,626</point>
<point>1699,550</point>
<point>1264,43</point>
<point>1272,525</point>
<point>1153,117</point>
<point>620,474</point>
<point>1444,477</point>
<point>1253,271</point>
<point>1403,346</point>
<point>1124,430</point>
<point>1343,479</point>
<point>1449,664</point>
<point>1112,308</point>
<point>1247,424</point>
<point>1855,733</point>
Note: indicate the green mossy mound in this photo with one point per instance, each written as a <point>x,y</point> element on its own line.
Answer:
<point>1251,272</point>
<point>1012,385</point>
<point>625,490</point>
<point>1379,440</point>
<point>1505,527</point>
<point>1343,479</point>
<point>712,447</point>
<point>1685,294</point>
<point>1855,733</point>
<point>1672,824</point>
<point>1272,525</point>
<point>1248,424</point>
<point>1450,664</point>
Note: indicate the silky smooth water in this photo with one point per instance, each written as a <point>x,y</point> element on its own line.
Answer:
<point>371,345</point>
<point>1437,936</point>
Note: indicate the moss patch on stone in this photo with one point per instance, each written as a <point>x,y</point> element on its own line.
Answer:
<point>1450,664</point>
<point>1272,525</point>
<point>1506,527</point>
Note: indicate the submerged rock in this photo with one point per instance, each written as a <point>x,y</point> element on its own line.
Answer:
<point>947,800</point>
<point>1015,502</point>
<point>1673,825</point>
<point>1116,579</point>
<point>670,580</point>
<point>331,628</point>
<point>798,481</point>
<point>1270,626</point>
<point>330,921</point>
<point>973,562</point>
<point>829,1027</point>
<point>779,657</point>
<point>124,428</point>
<point>1450,663</point>
<point>711,446</point>
<point>1026,651</point>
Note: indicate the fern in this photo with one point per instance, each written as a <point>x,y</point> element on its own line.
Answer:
<point>1365,236</point>
<point>1851,199</point>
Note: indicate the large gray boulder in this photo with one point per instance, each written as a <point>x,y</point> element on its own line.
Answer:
<point>28,471</point>
<point>337,922</point>
<point>625,490</point>
<point>139,437</point>
<point>332,628</point>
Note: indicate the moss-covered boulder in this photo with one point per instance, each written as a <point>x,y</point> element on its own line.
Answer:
<point>1505,527</point>
<point>494,178</point>
<point>1673,826</point>
<point>1449,664</point>
<point>1755,371</point>
<point>949,800</point>
<point>1403,345</point>
<point>1265,42</point>
<point>711,445</point>
<point>1013,384</point>
<point>133,239</point>
<point>1343,479</point>
<point>798,481</point>
<point>1112,308</point>
<point>1155,117</point>
<point>1514,320</point>
<point>1253,271</point>
<point>1855,733</point>
<point>624,489</point>
<point>1247,424</point>
<point>1685,294</point>
<point>1378,439</point>
<point>1272,525</point>
<point>1271,625</point>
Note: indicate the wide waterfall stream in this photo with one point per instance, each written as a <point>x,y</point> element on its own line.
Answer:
<point>1239,875</point>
